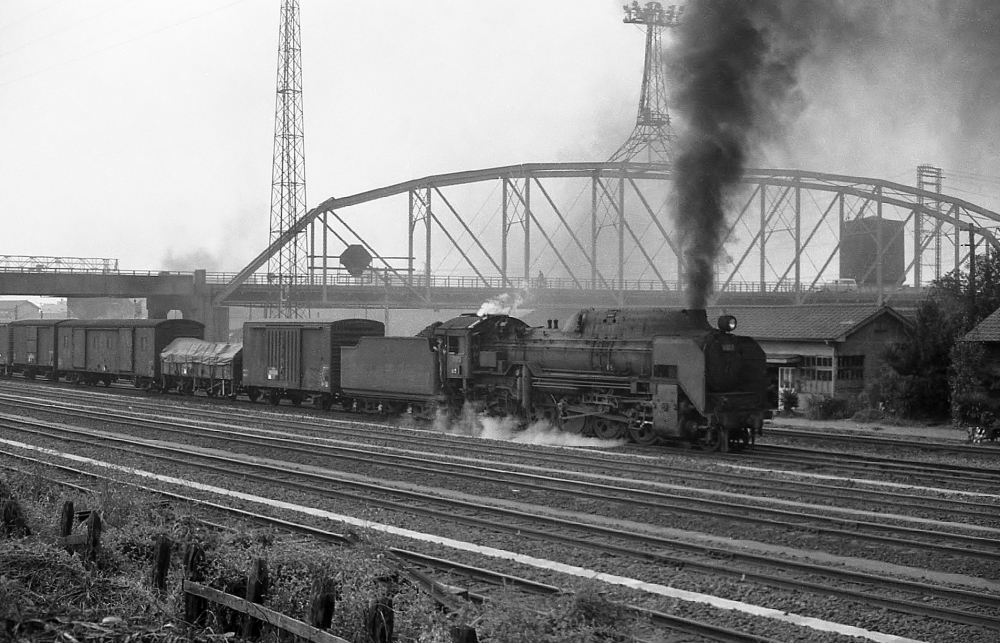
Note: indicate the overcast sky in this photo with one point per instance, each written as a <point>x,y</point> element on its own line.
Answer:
<point>142,130</point>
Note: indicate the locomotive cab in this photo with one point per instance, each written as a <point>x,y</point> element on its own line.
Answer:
<point>468,346</point>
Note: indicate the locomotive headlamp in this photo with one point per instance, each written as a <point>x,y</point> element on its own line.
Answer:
<point>727,323</point>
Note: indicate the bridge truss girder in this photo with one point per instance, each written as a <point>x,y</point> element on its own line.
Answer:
<point>605,227</point>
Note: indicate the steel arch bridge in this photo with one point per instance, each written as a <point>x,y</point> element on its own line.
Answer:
<point>604,229</point>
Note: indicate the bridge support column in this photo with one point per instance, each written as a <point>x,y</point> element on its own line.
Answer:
<point>197,307</point>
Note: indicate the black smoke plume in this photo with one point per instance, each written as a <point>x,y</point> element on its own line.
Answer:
<point>734,71</point>
<point>732,85</point>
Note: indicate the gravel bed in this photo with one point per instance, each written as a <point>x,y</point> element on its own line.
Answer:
<point>696,582</point>
<point>834,610</point>
<point>798,539</point>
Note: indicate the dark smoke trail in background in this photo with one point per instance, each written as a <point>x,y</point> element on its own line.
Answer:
<point>730,83</point>
<point>872,80</point>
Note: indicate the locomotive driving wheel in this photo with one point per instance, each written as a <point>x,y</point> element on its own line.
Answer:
<point>643,434</point>
<point>574,424</point>
<point>712,439</point>
<point>608,429</point>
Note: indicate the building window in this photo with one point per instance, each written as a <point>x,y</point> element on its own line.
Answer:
<point>851,367</point>
<point>816,369</point>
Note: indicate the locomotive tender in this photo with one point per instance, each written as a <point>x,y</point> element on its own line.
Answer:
<point>648,375</point>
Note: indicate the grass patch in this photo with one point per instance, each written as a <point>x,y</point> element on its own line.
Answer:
<point>47,594</point>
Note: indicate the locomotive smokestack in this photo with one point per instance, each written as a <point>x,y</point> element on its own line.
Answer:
<point>728,83</point>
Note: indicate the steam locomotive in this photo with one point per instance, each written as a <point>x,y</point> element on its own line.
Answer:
<point>648,375</point>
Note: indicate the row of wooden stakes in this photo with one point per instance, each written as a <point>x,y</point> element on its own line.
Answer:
<point>251,613</point>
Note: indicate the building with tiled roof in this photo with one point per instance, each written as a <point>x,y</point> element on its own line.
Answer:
<point>821,349</point>
<point>987,331</point>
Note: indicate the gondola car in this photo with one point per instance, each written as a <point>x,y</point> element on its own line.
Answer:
<point>103,351</point>
<point>189,364</point>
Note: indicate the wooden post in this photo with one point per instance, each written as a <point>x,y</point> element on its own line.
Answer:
<point>66,521</point>
<point>324,602</point>
<point>257,586</point>
<point>13,520</point>
<point>93,545</point>
<point>161,563</point>
<point>194,606</point>
<point>380,619</point>
<point>464,634</point>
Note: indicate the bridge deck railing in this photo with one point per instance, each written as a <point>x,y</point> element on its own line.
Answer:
<point>340,278</point>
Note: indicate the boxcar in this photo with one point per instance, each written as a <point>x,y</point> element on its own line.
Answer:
<point>33,347</point>
<point>384,374</point>
<point>299,360</point>
<point>106,350</point>
<point>4,351</point>
<point>189,364</point>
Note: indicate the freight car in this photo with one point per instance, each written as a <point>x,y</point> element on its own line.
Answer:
<point>189,364</point>
<point>33,348</point>
<point>95,351</point>
<point>4,351</point>
<point>299,361</point>
<point>649,375</point>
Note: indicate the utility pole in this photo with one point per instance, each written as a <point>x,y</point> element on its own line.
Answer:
<point>972,276</point>
<point>289,265</point>
<point>652,138</point>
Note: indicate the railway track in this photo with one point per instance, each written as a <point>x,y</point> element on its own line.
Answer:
<point>353,426</point>
<point>932,472</point>
<point>954,447</point>
<point>555,530</point>
<point>473,583</point>
<point>718,506</point>
<point>642,466</point>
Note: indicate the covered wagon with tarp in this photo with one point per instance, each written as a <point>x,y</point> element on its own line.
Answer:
<point>188,364</point>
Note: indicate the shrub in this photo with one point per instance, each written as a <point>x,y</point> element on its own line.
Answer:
<point>789,400</point>
<point>826,407</point>
<point>978,408</point>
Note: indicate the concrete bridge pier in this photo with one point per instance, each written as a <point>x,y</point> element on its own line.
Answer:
<point>197,307</point>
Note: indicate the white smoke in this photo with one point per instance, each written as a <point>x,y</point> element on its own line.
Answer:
<point>503,304</point>
<point>506,429</point>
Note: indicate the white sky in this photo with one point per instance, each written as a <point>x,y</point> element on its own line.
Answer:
<point>142,130</point>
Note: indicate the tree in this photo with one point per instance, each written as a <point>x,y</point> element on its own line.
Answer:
<point>918,384</point>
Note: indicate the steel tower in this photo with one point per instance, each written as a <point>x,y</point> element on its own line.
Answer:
<point>652,137</point>
<point>289,265</point>
<point>928,178</point>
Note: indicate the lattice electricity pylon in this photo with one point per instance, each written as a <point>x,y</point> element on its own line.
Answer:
<point>289,265</point>
<point>652,138</point>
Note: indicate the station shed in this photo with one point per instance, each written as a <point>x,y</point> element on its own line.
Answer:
<point>821,349</point>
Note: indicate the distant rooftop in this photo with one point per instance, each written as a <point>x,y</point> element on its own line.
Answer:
<point>988,330</point>
<point>811,322</point>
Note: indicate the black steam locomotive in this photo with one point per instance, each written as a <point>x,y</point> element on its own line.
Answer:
<point>644,374</point>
